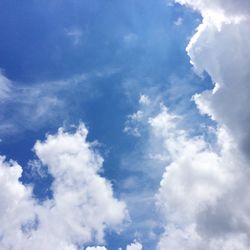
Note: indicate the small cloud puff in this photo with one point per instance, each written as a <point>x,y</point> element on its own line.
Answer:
<point>179,21</point>
<point>134,246</point>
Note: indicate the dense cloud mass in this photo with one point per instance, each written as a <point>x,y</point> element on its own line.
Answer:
<point>205,190</point>
<point>82,207</point>
<point>225,54</point>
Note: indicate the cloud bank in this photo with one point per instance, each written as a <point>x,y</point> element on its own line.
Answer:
<point>83,205</point>
<point>204,193</point>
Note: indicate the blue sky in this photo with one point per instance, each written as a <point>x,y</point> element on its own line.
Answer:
<point>122,50</point>
<point>114,66</point>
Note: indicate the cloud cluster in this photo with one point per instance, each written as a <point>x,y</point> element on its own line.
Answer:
<point>204,193</point>
<point>201,190</point>
<point>83,205</point>
<point>225,54</point>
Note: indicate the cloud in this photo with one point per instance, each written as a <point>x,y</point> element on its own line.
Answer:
<point>96,248</point>
<point>37,105</point>
<point>219,10</point>
<point>75,34</point>
<point>133,120</point>
<point>144,100</point>
<point>83,204</point>
<point>32,106</point>
<point>178,21</point>
<point>204,190</point>
<point>134,246</point>
<point>199,193</point>
<point>5,87</point>
<point>225,55</point>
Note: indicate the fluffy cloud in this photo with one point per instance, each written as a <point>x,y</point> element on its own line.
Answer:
<point>202,191</point>
<point>82,207</point>
<point>132,246</point>
<point>220,10</point>
<point>224,53</point>
<point>16,204</point>
<point>205,191</point>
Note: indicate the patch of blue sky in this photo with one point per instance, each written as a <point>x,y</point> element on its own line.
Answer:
<point>123,49</point>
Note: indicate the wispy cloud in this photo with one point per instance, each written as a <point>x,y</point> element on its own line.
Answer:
<point>75,34</point>
<point>178,21</point>
<point>5,87</point>
<point>33,106</point>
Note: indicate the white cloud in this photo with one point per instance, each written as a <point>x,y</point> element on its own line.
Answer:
<point>178,21</point>
<point>34,105</point>
<point>204,191</point>
<point>75,34</point>
<point>131,124</point>
<point>134,246</point>
<point>224,53</point>
<point>144,100</point>
<point>200,193</point>
<point>16,205</point>
<point>220,11</point>
<point>5,87</point>
<point>83,204</point>
<point>96,248</point>
<point>135,123</point>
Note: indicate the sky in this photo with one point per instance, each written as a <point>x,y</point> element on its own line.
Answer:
<point>124,125</point>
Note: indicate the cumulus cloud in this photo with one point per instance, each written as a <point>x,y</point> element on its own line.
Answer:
<point>200,192</point>
<point>219,10</point>
<point>204,192</point>
<point>83,205</point>
<point>225,54</point>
